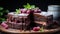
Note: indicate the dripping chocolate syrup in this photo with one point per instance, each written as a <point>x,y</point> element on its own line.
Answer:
<point>31,17</point>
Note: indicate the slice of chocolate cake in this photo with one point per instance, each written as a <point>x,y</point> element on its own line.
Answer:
<point>43,20</point>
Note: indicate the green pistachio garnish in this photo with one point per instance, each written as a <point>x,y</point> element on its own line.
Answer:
<point>41,29</point>
<point>28,6</point>
<point>18,11</point>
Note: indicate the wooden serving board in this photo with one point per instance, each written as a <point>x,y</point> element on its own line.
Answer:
<point>28,32</point>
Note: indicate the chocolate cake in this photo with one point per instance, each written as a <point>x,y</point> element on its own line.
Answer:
<point>18,21</point>
<point>28,19</point>
<point>43,20</point>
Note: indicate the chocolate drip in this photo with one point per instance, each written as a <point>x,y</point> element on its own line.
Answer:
<point>31,17</point>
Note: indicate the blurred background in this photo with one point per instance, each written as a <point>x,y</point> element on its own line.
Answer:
<point>14,4</point>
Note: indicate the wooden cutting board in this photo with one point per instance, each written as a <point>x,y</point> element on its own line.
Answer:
<point>28,32</point>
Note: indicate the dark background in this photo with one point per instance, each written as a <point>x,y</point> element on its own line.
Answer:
<point>13,4</point>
